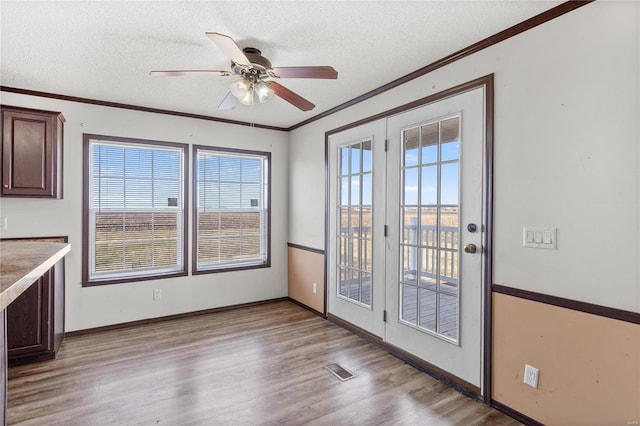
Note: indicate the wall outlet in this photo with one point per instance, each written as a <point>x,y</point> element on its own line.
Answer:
<point>315,288</point>
<point>5,223</point>
<point>157,294</point>
<point>531,376</point>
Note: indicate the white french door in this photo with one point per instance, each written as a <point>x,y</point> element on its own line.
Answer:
<point>356,225</point>
<point>426,274</point>
<point>434,255</point>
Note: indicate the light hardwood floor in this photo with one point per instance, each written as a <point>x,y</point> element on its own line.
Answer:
<point>258,365</point>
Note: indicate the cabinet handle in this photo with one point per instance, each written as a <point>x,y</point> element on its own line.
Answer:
<point>6,185</point>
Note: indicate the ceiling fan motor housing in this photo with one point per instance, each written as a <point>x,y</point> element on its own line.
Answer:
<point>259,65</point>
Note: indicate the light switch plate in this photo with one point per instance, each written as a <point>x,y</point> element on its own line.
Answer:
<point>537,237</point>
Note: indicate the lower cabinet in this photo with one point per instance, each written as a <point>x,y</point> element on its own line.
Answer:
<point>35,320</point>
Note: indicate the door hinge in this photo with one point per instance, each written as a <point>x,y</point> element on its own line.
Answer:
<point>384,316</point>
<point>386,230</point>
<point>386,145</point>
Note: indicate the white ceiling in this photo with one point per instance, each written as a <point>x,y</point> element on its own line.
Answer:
<point>105,50</point>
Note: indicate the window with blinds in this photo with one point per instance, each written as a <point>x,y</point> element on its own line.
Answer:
<point>232,214</point>
<point>134,209</point>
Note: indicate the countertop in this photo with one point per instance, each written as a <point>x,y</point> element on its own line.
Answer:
<point>22,263</point>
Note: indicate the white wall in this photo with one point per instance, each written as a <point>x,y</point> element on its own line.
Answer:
<point>566,153</point>
<point>110,304</point>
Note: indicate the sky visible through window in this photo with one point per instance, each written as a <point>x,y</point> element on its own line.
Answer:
<point>229,182</point>
<point>127,177</point>
<point>449,174</point>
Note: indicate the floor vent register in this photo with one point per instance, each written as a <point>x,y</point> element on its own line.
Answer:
<point>340,372</point>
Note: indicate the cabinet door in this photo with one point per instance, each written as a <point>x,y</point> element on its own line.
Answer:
<point>31,148</point>
<point>3,368</point>
<point>29,319</point>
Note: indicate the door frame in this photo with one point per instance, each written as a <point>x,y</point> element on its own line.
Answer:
<point>487,309</point>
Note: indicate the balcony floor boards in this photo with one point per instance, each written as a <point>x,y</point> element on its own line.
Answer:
<point>263,364</point>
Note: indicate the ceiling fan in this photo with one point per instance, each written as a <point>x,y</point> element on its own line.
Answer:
<point>253,69</point>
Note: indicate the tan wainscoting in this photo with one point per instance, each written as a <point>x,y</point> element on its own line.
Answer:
<point>305,268</point>
<point>589,365</point>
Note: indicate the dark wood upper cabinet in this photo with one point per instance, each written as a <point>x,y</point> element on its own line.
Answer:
<point>31,152</point>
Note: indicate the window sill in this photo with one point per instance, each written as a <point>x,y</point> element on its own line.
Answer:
<point>231,268</point>
<point>124,280</point>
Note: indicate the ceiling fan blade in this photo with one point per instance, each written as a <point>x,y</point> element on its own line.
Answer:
<point>305,72</point>
<point>289,96</point>
<point>229,102</point>
<point>191,73</point>
<point>229,48</point>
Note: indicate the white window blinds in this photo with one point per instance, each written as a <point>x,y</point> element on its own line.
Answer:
<point>135,209</point>
<point>232,209</point>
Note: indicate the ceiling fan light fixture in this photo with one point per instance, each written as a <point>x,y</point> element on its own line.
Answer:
<point>264,92</point>
<point>247,99</point>
<point>243,91</point>
<point>240,88</point>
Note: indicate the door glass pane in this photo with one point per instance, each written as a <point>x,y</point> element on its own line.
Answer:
<point>367,159</point>
<point>365,228</point>
<point>343,283</point>
<point>448,320</point>
<point>344,161</point>
<point>449,186</point>
<point>430,143</point>
<point>343,221</point>
<point>355,159</point>
<point>449,224</point>
<point>409,271</point>
<point>366,255</point>
<point>356,245</point>
<point>355,190</point>
<point>450,139</point>
<point>344,191</point>
<point>449,272</point>
<point>410,228</point>
<point>410,147</point>
<point>429,186</point>
<point>429,268</point>
<point>367,189</point>
<point>366,288</point>
<point>354,215</point>
<point>410,188</point>
<point>428,309</point>
<point>450,151</point>
<point>409,310</point>
<point>430,227</point>
<point>354,287</point>
<point>343,251</point>
<point>355,232</point>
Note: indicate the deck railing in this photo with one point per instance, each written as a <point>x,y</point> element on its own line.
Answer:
<point>415,245</point>
<point>448,250</point>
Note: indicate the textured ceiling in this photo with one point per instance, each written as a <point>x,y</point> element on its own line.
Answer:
<point>105,50</point>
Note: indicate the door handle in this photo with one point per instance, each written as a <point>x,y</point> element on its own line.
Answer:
<point>470,248</point>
